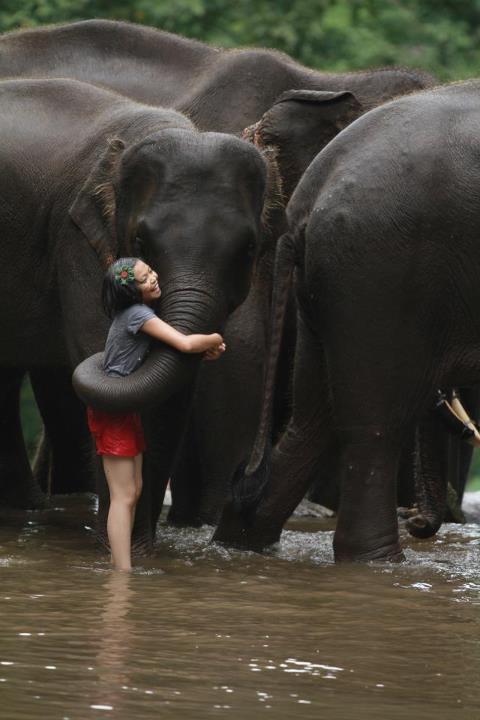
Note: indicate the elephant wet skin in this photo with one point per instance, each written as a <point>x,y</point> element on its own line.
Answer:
<point>221,90</point>
<point>385,226</point>
<point>87,176</point>
<point>291,111</point>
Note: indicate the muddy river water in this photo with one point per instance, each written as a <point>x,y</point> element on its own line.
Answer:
<point>198,631</point>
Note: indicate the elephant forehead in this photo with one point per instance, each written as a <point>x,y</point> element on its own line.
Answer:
<point>206,174</point>
<point>203,149</point>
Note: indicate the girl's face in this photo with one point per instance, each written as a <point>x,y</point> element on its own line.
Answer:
<point>147,282</point>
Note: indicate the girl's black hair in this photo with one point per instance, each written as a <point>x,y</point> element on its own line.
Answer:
<point>119,290</point>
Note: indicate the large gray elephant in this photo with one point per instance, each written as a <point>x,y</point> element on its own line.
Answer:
<point>383,228</point>
<point>216,88</point>
<point>286,108</point>
<point>88,175</point>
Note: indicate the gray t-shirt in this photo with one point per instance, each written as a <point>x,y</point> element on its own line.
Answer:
<point>126,347</point>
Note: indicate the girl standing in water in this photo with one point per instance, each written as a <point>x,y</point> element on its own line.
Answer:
<point>129,288</point>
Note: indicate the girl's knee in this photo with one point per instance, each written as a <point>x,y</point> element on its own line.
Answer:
<point>126,498</point>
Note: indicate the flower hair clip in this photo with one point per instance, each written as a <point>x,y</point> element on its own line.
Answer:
<point>124,275</point>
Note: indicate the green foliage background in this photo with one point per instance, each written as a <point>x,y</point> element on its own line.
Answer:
<point>439,36</point>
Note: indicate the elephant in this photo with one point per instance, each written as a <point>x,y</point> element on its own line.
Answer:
<point>432,474</point>
<point>382,245</point>
<point>87,176</point>
<point>219,90</point>
<point>283,107</point>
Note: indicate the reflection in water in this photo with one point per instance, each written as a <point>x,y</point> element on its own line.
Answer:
<point>115,639</point>
<point>222,633</point>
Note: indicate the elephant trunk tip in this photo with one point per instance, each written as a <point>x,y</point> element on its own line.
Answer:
<point>248,484</point>
<point>238,530</point>
<point>421,526</point>
<point>238,525</point>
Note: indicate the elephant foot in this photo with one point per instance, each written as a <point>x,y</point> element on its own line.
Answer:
<point>366,545</point>
<point>34,500</point>
<point>385,554</point>
<point>102,543</point>
<point>421,526</point>
<point>240,529</point>
<point>142,548</point>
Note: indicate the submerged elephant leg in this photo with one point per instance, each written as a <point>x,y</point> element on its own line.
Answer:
<point>186,483</point>
<point>18,489</point>
<point>442,462</point>
<point>372,419</point>
<point>325,489</point>
<point>367,527</point>
<point>300,448</point>
<point>227,404</point>
<point>406,473</point>
<point>164,427</point>
<point>63,462</point>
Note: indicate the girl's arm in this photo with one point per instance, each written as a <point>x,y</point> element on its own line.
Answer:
<point>185,343</point>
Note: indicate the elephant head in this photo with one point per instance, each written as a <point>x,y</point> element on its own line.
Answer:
<point>299,124</point>
<point>189,204</point>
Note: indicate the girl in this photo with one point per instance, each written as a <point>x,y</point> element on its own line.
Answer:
<point>129,288</point>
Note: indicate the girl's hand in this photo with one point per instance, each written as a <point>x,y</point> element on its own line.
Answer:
<point>215,351</point>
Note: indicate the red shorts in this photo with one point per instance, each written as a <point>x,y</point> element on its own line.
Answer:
<point>116,434</point>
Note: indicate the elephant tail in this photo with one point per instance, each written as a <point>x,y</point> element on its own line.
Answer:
<point>250,478</point>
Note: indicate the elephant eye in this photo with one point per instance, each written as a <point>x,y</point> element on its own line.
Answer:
<point>250,243</point>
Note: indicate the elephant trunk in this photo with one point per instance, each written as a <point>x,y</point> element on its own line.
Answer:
<point>250,480</point>
<point>165,371</point>
<point>431,477</point>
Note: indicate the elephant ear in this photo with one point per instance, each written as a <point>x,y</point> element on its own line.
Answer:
<point>338,108</point>
<point>299,124</point>
<point>94,208</point>
<point>139,175</point>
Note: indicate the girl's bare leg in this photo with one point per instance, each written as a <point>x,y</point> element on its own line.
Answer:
<point>120,474</point>
<point>138,462</point>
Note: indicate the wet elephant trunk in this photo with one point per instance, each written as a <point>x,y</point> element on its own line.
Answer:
<point>251,480</point>
<point>164,372</point>
<point>431,477</point>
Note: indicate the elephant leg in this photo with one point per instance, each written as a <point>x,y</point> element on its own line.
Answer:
<point>164,428</point>
<point>18,488</point>
<point>186,483</point>
<point>226,426</point>
<point>301,447</point>
<point>367,527</point>
<point>442,463</point>
<point>432,445</point>
<point>63,462</point>
<point>406,472</point>
<point>325,489</point>
<point>226,410</point>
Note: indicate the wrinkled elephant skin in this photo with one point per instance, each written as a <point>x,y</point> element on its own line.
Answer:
<point>385,224</point>
<point>87,176</point>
